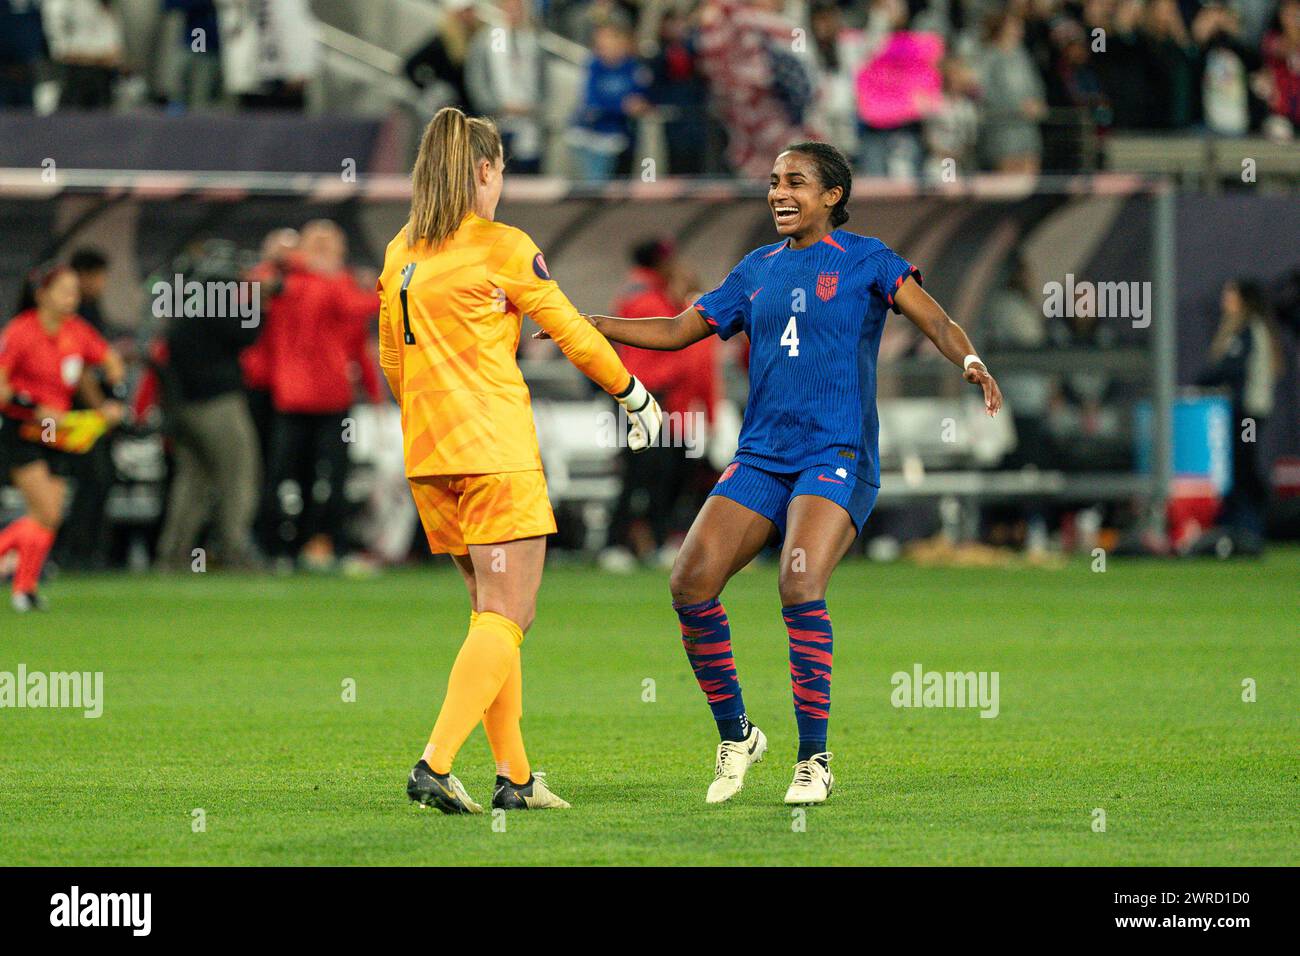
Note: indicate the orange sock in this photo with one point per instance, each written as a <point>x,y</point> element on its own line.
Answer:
<point>482,667</point>
<point>12,534</point>
<point>501,723</point>
<point>33,548</point>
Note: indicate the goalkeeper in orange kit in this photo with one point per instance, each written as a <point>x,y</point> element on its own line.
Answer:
<point>452,292</point>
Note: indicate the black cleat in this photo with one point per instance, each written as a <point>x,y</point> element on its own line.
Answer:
<point>533,795</point>
<point>441,790</point>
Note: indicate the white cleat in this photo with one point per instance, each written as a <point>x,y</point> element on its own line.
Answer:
<point>734,760</point>
<point>26,603</point>
<point>534,795</point>
<point>812,781</point>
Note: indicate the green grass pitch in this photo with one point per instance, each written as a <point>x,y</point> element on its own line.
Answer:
<point>1120,691</point>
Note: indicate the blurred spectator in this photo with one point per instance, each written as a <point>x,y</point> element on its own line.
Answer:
<point>1013,98</point>
<point>740,43</point>
<point>268,52</point>
<point>1013,319</point>
<point>678,89</point>
<point>1073,82</point>
<point>316,343</point>
<point>1038,17</point>
<point>85,39</point>
<point>837,53</point>
<point>216,463</point>
<point>1014,313</point>
<point>22,47</point>
<point>1254,17</point>
<point>440,62</point>
<point>200,53</point>
<point>91,268</point>
<point>1246,357</point>
<point>685,383</point>
<point>581,19</point>
<point>1227,62</point>
<point>897,88</point>
<point>1282,62</point>
<point>1175,61</point>
<point>1086,422</point>
<point>614,93</point>
<point>278,255</point>
<point>952,131</point>
<point>1124,69</point>
<point>504,79</point>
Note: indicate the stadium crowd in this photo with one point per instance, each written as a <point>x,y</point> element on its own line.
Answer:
<point>901,85</point>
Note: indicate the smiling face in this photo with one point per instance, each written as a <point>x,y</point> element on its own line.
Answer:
<point>801,206</point>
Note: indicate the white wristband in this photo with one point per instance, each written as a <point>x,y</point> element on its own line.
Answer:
<point>970,360</point>
<point>636,398</point>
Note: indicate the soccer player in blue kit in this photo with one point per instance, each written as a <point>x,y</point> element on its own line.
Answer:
<point>807,466</point>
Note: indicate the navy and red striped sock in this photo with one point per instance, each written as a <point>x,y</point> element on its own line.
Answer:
<point>706,635</point>
<point>809,627</point>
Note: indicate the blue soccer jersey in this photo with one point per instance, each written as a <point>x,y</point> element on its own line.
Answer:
<point>814,318</point>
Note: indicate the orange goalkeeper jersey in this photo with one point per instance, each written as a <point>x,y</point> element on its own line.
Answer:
<point>449,324</point>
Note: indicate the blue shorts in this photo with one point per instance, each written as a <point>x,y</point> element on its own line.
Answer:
<point>769,493</point>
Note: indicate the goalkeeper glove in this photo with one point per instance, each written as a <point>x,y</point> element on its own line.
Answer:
<point>643,412</point>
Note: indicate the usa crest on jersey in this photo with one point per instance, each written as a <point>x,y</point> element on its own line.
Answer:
<point>826,285</point>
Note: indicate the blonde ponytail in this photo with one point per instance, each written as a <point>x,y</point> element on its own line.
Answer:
<point>442,182</point>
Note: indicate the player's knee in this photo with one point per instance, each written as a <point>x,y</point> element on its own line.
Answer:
<point>691,584</point>
<point>519,612</point>
<point>800,587</point>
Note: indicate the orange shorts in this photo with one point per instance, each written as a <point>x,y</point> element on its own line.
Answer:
<point>460,510</point>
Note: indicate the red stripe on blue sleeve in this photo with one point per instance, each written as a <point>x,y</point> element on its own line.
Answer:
<point>898,284</point>
<point>704,315</point>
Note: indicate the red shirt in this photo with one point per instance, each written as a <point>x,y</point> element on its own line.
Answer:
<point>1285,66</point>
<point>318,334</point>
<point>255,361</point>
<point>678,380</point>
<point>47,365</point>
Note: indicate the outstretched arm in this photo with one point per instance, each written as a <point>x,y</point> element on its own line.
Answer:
<point>948,337</point>
<point>662,334</point>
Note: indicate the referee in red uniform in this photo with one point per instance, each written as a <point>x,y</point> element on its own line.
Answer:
<point>44,354</point>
